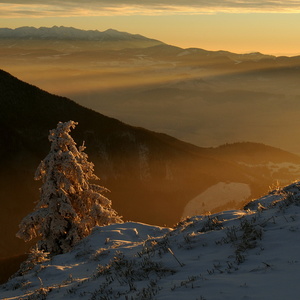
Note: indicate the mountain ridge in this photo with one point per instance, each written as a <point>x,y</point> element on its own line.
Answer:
<point>69,33</point>
<point>109,35</point>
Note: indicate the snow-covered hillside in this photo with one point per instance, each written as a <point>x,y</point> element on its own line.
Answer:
<point>245,254</point>
<point>209,200</point>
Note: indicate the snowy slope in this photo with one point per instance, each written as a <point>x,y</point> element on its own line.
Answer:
<point>249,254</point>
<point>209,200</point>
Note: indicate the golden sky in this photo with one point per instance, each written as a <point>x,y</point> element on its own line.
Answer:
<point>241,26</point>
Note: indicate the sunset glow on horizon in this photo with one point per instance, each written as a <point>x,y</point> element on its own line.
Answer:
<point>270,27</point>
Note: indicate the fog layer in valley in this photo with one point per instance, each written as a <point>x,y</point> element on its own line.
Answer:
<point>206,98</point>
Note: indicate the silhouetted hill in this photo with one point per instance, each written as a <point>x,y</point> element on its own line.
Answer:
<point>152,176</point>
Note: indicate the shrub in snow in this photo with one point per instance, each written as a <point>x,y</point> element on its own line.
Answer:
<point>70,206</point>
<point>35,257</point>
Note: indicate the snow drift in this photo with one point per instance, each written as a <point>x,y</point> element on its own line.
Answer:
<point>240,254</point>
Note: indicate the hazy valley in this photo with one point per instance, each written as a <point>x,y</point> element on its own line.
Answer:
<point>203,94</point>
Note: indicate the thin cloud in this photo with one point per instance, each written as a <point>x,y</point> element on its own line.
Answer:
<point>142,7</point>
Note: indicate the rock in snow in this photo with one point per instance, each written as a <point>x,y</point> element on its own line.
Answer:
<point>240,254</point>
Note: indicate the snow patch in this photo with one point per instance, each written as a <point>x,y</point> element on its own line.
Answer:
<point>216,195</point>
<point>276,167</point>
<point>184,53</point>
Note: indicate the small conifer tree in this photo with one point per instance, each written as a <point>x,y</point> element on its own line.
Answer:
<point>70,206</point>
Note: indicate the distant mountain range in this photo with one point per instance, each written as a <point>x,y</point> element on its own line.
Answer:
<point>152,177</point>
<point>62,33</point>
<point>68,33</point>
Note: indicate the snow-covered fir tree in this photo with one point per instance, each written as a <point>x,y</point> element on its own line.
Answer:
<point>70,206</point>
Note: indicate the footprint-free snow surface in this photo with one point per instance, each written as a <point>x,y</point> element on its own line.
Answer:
<point>245,254</point>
